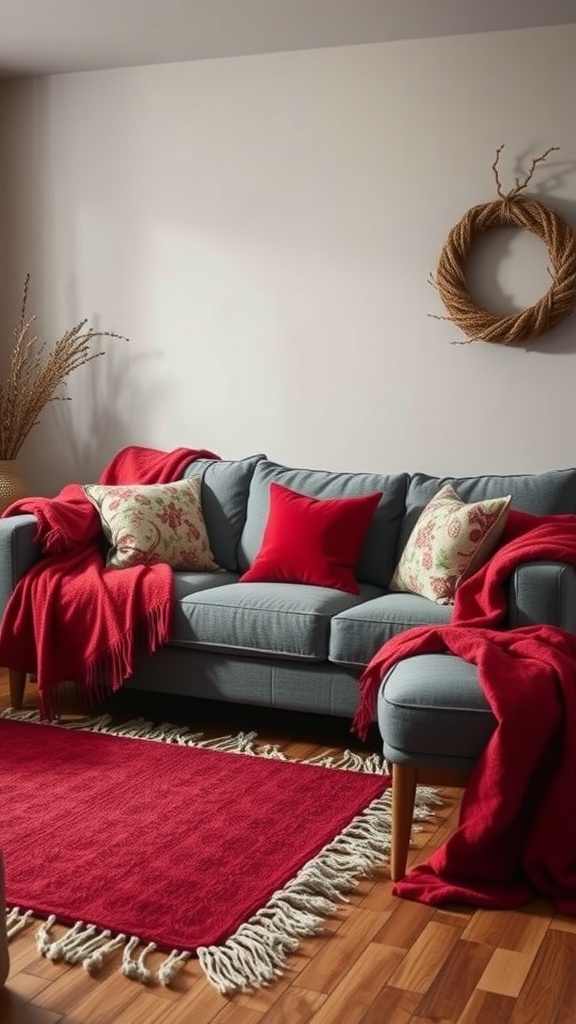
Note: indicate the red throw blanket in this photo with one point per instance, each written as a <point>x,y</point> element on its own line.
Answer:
<point>517,829</point>
<point>72,618</point>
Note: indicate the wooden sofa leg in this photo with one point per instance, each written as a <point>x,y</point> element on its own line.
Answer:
<point>404,779</point>
<point>17,681</point>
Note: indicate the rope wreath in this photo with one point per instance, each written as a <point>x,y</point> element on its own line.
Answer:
<point>510,210</point>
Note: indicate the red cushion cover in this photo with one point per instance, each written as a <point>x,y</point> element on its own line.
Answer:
<point>312,540</point>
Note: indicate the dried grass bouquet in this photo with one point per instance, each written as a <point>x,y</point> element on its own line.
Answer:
<point>35,375</point>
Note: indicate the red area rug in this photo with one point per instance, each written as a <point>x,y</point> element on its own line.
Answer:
<point>195,850</point>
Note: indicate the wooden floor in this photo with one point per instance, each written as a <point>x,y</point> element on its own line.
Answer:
<point>380,961</point>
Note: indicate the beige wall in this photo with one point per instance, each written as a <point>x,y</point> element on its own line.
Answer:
<point>263,229</point>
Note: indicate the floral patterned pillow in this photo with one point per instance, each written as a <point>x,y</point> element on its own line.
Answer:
<point>450,541</point>
<point>151,523</point>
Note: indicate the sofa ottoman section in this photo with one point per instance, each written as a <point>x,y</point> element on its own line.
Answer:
<point>432,710</point>
<point>435,723</point>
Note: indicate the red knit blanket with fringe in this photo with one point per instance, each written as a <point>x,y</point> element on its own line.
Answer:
<point>70,617</point>
<point>516,835</point>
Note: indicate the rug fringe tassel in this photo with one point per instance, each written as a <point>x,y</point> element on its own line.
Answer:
<point>91,946</point>
<point>350,761</point>
<point>142,728</point>
<point>85,944</point>
<point>258,952</point>
<point>16,921</point>
<point>137,969</point>
<point>170,966</point>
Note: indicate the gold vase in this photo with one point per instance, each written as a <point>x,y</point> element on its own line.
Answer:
<point>12,486</point>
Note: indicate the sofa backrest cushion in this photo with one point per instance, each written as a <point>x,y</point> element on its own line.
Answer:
<point>549,493</point>
<point>224,497</point>
<point>376,562</point>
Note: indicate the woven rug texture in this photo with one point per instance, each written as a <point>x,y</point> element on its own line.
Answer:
<point>194,847</point>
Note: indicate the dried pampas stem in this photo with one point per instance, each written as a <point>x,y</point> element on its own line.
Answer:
<point>35,376</point>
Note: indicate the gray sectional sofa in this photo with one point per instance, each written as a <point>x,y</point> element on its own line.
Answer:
<point>300,647</point>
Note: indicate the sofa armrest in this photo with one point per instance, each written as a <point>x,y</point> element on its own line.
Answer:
<point>543,593</point>
<point>18,552</point>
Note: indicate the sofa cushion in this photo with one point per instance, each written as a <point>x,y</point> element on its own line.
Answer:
<point>288,620</point>
<point>451,540</point>
<point>376,561</point>
<point>151,523</point>
<point>357,633</point>
<point>432,711</point>
<point>224,497</point>
<point>312,540</point>
<point>550,493</point>
<point>186,583</point>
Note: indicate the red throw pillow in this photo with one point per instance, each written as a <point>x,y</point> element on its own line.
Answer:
<point>312,540</point>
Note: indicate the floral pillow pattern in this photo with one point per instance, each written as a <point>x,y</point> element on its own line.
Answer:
<point>450,541</point>
<point>150,523</point>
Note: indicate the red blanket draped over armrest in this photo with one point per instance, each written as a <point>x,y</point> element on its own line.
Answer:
<point>72,618</point>
<point>517,828</point>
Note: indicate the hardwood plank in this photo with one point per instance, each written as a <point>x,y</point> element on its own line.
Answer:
<point>68,986</point>
<point>526,929</point>
<point>424,960</point>
<point>567,1002</point>
<point>234,1014</point>
<point>459,918</point>
<point>296,1006</point>
<point>488,1008</point>
<point>146,1008</point>
<point>563,924</point>
<point>201,1004</point>
<point>358,989</point>
<point>487,926</point>
<point>25,986</point>
<point>456,980</point>
<point>506,972</point>
<point>429,1020</point>
<point>406,923</point>
<point>380,897</point>
<point>14,1010</point>
<point>392,1006</point>
<point>543,992</point>
<point>343,949</point>
<point>120,997</point>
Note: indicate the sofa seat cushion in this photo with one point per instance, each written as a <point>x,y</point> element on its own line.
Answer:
<point>357,633</point>
<point>377,556</point>
<point>432,711</point>
<point>279,619</point>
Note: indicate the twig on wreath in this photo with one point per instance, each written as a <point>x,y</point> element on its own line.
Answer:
<point>526,213</point>
<point>519,185</point>
<point>495,169</point>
